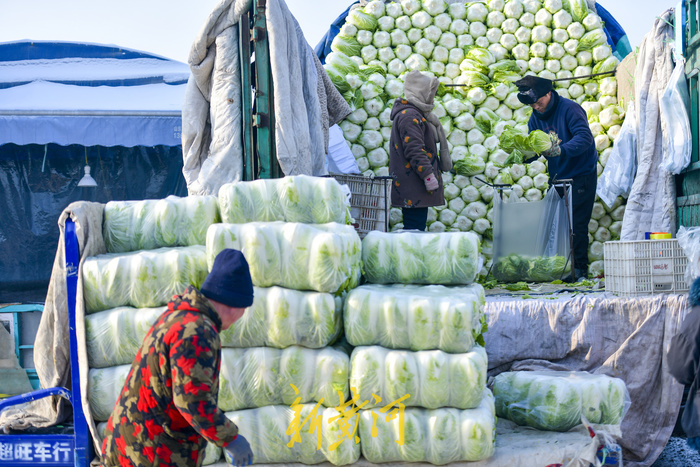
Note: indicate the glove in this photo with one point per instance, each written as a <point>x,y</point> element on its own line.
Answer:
<point>431,183</point>
<point>554,151</point>
<point>240,451</point>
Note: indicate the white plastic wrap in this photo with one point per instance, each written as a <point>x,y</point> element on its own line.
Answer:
<point>266,430</point>
<point>439,436</point>
<point>448,258</point>
<point>263,376</point>
<point>620,169</point>
<point>113,337</point>
<point>431,378</point>
<point>300,198</point>
<point>284,317</point>
<point>104,387</point>
<point>689,241</point>
<point>555,401</point>
<point>413,317</point>
<point>675,124</point>
<point>320,257</point>
<point>151,224</point>
<point>141,279</point>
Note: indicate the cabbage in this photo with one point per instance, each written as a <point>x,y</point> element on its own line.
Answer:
<point>261,376</point>
<point>591,40</point>
<point>555,401</point>
<point>375,8</point>
<point>266,430</point>
<point>432,378</point>
<point>412,258</point>
<point>510,25</point>
<point>470,165</point>
<point>576,30</point>
<point>592,22</point>
<point>477,12</point>
<point>321,257</point>
<point>415,317</point>
<point>579,10</point>
<point>113,337</point>
<point>151,224</point>
<point>528,20</point>
<point>362,20</point>
<point>439,436</point>
<point>142,279</point>
<point>515,268</point>
<point>346,44</point>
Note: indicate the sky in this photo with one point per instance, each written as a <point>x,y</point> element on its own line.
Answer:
<point>168,27</point>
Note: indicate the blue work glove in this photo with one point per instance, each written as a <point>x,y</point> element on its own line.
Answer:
<point>240,451</point>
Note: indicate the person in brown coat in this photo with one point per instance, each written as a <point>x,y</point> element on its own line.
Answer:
<point>413,161</point>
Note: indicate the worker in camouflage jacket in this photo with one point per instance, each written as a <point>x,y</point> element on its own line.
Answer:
<point>168,408</point>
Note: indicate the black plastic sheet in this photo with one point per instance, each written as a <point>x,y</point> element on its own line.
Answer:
<point>38,181</point>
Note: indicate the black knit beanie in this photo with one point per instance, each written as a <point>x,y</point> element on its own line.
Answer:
<point>229,281</point>
<point>532,88</point>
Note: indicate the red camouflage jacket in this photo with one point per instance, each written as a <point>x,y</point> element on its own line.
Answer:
<point>168,409</point>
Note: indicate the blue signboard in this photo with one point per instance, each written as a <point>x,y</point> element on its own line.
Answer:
<point>36,450</point>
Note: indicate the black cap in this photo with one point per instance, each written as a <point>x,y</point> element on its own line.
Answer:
<point>229,281</point>
<point>532,88</point>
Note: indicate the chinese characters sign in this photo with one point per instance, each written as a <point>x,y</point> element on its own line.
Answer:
<point>35,450</point>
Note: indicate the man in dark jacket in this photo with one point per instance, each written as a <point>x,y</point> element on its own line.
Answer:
<point>683,359</point>
<point>168,409</point>
<point>574,156</point>
<point>413,159</point>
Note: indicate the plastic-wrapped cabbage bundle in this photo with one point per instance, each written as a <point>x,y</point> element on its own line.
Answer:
<point>104,386</point>
<point>555,401</point>
<point>282,317</point>
<point>113,337</point>
<point>142,279</point>
<point>515,268</point>
<point>320,257</point>
<point>266,430</point>
<point>299,198</point>
<point>448,258</point>
<point>151,224</point>
<point>212,453</point>
<point>439,436</point>
<point>431,378</point>
<point>415,317</point>
<point>263,376</point>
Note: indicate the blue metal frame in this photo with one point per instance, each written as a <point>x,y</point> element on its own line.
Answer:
<point>18,450</point>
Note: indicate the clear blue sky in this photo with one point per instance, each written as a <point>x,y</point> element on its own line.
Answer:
<point>168,27</point>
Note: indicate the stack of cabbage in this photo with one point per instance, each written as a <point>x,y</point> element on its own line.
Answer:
<point>555,401</point>
<point>485,46</point>
<point>302,256</point>
<point>441,376</point>
<point>125,290</point>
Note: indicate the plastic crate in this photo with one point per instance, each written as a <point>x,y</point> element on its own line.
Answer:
<point>369,203</point>
<point>645,267</point>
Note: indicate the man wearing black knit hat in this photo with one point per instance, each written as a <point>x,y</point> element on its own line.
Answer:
<point>168,410</point>
<point>573,156</point>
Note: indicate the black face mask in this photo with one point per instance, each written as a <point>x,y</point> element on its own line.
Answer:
<point>527,97</point>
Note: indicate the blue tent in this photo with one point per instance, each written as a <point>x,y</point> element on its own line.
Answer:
<point>65,104</point>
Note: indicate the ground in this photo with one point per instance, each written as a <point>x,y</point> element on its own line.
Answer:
<point>676,454</point>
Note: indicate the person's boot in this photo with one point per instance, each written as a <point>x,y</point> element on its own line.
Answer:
<point>577,275</point>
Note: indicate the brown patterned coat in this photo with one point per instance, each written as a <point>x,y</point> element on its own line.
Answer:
<point>413,157</point>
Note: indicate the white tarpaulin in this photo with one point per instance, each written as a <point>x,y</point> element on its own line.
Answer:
<point>305,101</point>
<point>651,206</point>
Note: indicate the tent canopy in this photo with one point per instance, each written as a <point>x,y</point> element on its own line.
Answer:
<point>89,94</point>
